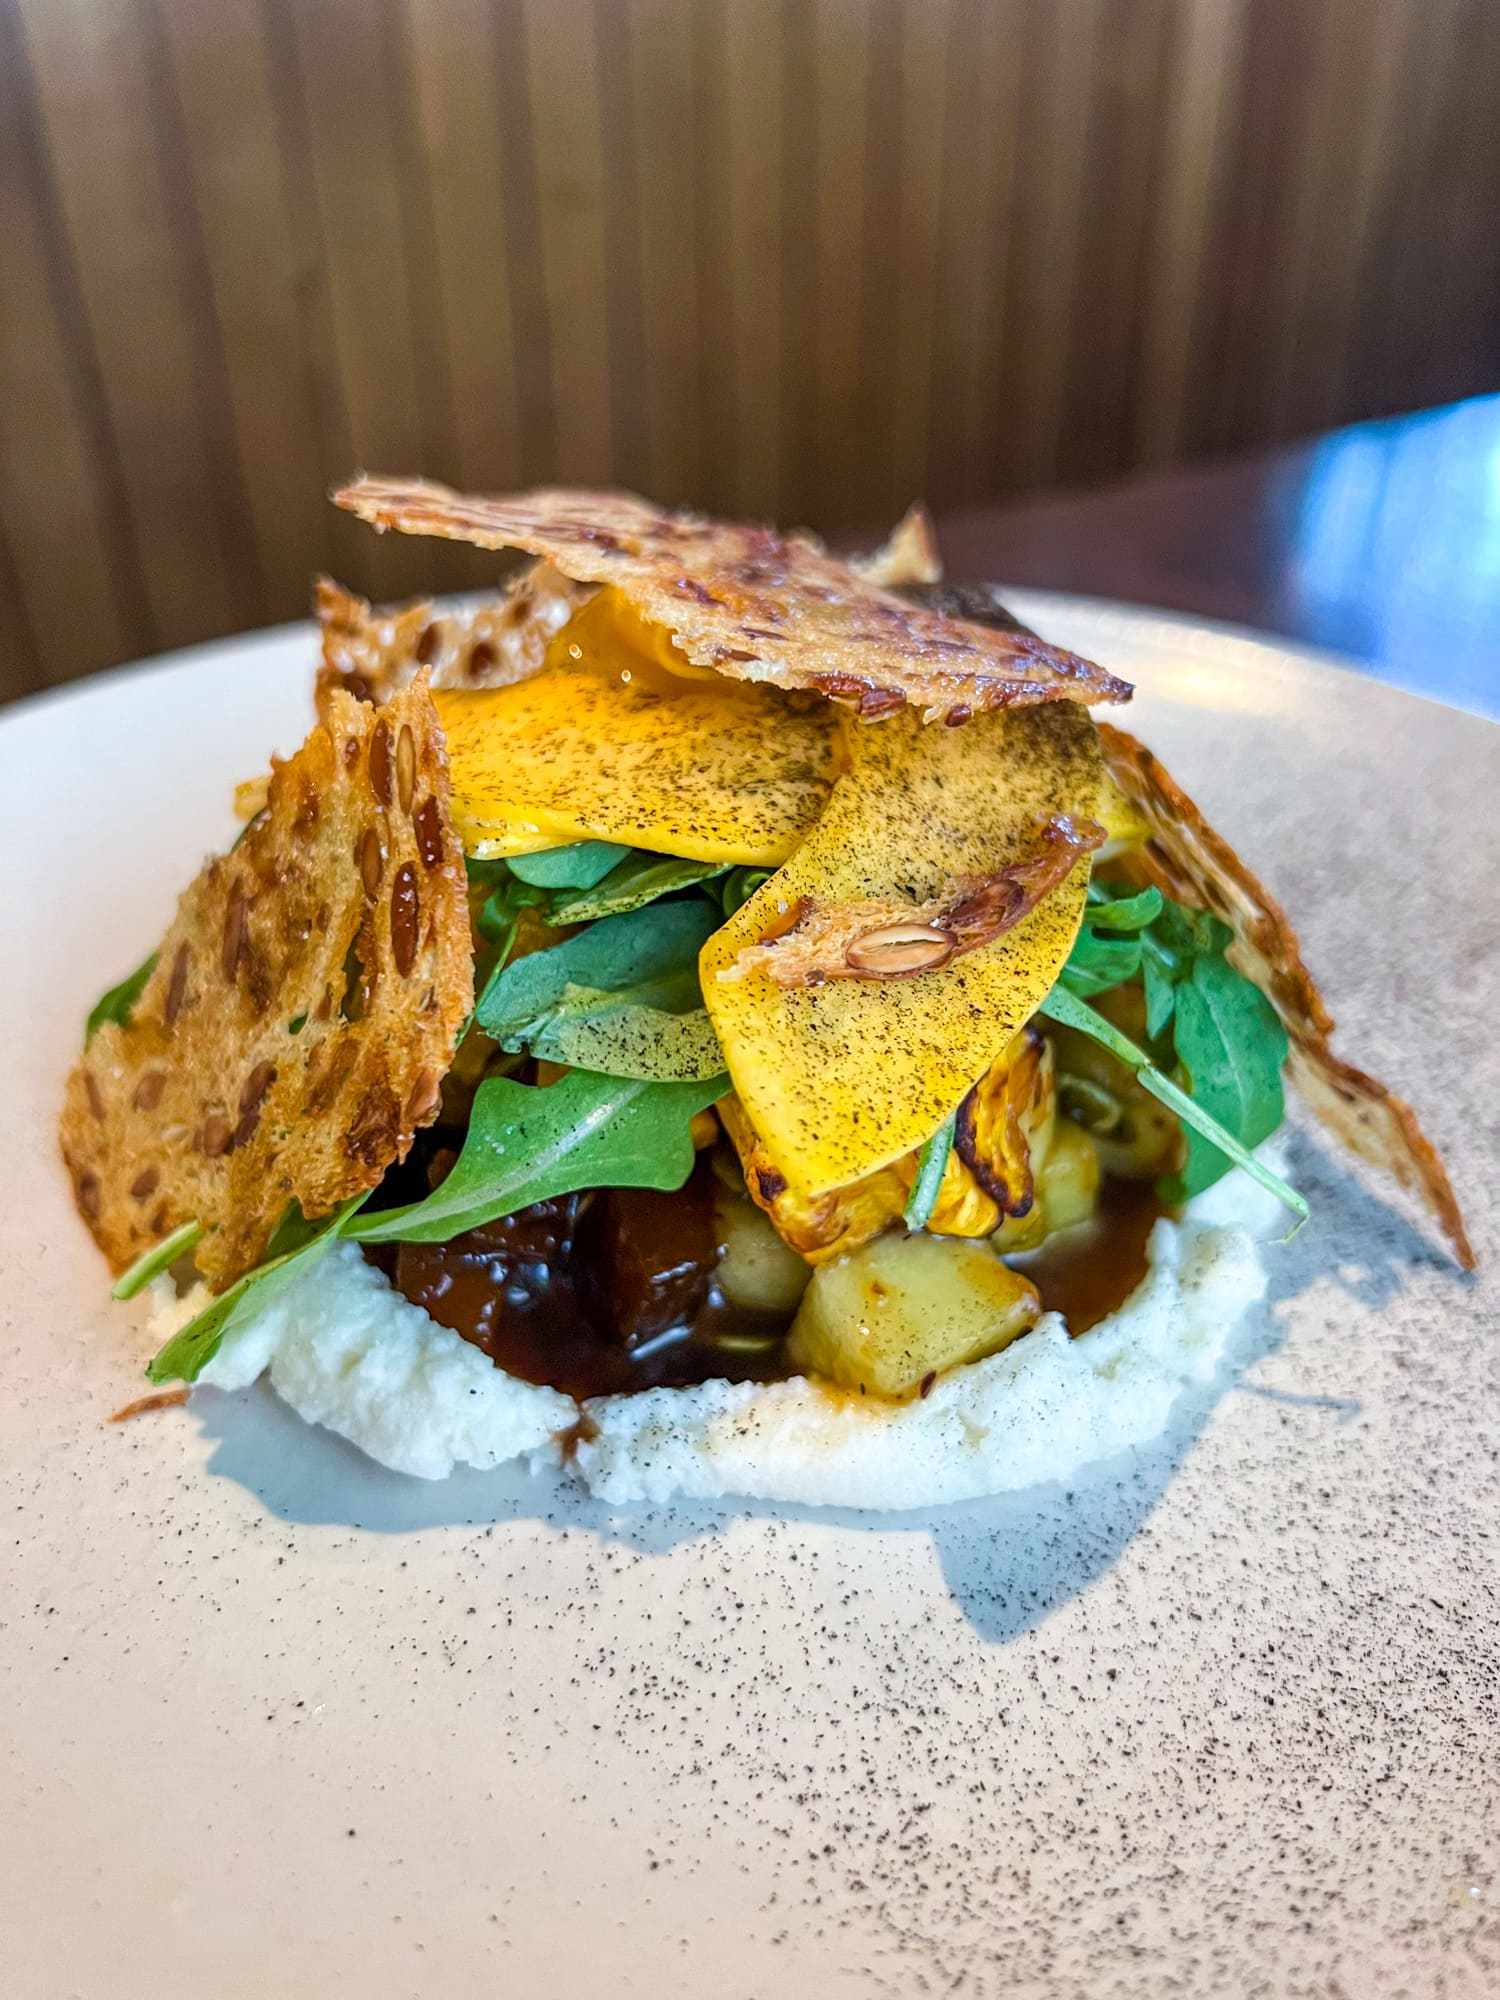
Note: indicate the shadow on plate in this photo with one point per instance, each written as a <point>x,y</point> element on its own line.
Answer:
<point>1009,1561</point>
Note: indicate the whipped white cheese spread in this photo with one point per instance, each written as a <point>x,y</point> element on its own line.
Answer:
<point>347,1351</point>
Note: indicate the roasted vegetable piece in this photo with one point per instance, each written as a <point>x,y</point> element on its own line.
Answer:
<point>608,742</point>
<point>892,1316</point>
<point>1065,1179</point>
<point>842,1079</point>
<point>756,1270</point>
<point>1003,1119</point>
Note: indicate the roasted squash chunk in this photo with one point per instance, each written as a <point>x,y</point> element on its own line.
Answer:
<point>1003,1122</point>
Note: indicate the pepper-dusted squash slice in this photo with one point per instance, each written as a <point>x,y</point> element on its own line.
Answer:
<point>615,739</point>
<point>840,1079</point>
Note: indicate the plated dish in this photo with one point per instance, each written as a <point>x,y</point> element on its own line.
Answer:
<point>1254,1639</point>
<point>712,1019</point>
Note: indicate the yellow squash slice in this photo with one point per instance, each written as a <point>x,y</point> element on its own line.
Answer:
<point>615,739</point>
<point>841,1079</point>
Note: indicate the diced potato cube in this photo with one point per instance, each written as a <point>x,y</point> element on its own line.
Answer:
<point>756,1271</point>
<point>1066,1183</point>
<point>902,1309</point>
<point>1138,1138</point>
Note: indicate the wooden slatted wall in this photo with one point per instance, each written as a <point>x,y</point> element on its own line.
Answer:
<point>797,258</point>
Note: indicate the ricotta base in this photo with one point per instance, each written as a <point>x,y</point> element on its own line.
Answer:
<point>345,1350</point>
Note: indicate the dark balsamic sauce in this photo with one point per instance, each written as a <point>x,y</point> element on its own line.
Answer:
<point>612,1291</point>
<point>1087,1272</point>
<point>597,1294</point>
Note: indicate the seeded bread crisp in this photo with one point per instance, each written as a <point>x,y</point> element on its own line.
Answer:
<point>501,639</point>
<point>1186,859</point>
<point>304,1008</point>
<point>908,557</point>
<point>752,603</point>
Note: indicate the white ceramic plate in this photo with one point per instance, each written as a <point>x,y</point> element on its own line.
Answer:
<point>1222,1720</point>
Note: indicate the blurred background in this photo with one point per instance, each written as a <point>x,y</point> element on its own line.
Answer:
<point>801,259</point>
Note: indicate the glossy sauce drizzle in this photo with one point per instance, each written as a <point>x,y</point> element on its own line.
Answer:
<point>1089,1271</point>
<point>614,1291</point>
<point>597,1294</point>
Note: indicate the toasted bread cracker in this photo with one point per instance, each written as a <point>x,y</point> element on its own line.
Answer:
<point>373,654</point>
<point>907,558</point>
<point>304,1008</point>
<point>751,603</point>
<point>1187,860</point>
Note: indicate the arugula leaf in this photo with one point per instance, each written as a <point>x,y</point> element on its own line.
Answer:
<point>578,866</point>
<point>612,955</point>
<point>501,911</point>
<point>640,878</point>
<point>529,1144</point>
<point>932,1164</point>
<point>740,884</point>
<point>151,1263</point>
<point>621,997</point>
<point>1107,950</point>
<point>600,1031</point>
<point>1180,935</point>
<point>1227,1038</point>
<point>1123,913</point>
<point>485,874</point>
<point>1066,1008</point>
<point>118,1004</point>
<point>1097,963</point>
<point>297,1245</point>
<point>1160,989</point>
<point>1230,1041</point>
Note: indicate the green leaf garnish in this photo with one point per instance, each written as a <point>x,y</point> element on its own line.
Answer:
<point>621,997</point>
<point>1230,1041</point>
<point>639,879</point>
<point>485,874</point>
<point>618,1037</point>
<point>296,1246</point>
<point>151,1263</point>
<point>118,1004</point>
<point>932,1164</point>
<point>1067,1009</point>
<point>1108,948</point>
<point>1161,994</point>
<point>501,912</point>
<point>1110,912</point>
<point>740,884</point>
<point>1097,963</point>
<point>1227,1039</point>
<point>579,866</point>
<point>527,1144</point>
